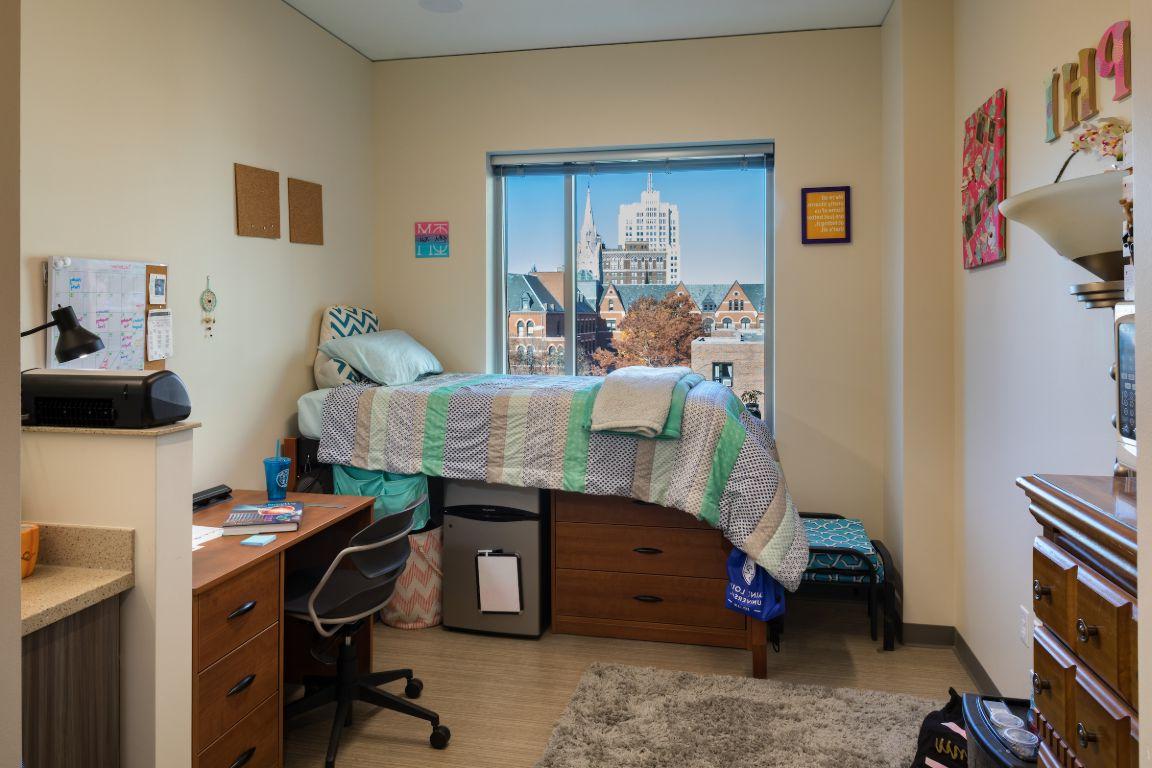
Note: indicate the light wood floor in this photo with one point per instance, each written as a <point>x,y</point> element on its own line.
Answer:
<point>501,697</point>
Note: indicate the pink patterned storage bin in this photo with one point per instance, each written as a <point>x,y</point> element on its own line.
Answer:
<point>416,602</point>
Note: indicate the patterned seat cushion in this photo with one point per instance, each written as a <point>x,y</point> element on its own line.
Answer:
<point>336,323</point>
<point>857,553</point>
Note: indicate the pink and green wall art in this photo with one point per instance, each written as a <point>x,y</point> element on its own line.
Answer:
<point>983,182</point>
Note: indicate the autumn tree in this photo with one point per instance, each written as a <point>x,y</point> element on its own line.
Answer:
<point>655,333</point>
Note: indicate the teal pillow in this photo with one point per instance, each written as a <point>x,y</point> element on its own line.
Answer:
<point>386,357</point>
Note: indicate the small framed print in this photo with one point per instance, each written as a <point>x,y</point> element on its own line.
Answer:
<point>826,215</point>
<point>431,239</point>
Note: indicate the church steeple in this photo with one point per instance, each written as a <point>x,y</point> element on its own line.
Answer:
<point>589,224</point>
<point>589,245</point>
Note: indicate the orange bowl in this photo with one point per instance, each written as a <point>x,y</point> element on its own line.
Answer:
<point>29,548</point>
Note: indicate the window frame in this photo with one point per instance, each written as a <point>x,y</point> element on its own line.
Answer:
<point>572,162</point>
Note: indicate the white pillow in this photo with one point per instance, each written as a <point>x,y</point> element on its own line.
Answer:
<point>386,357</point>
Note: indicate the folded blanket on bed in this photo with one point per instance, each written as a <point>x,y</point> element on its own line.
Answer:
<point>636,400</point>
<point>534,431</point>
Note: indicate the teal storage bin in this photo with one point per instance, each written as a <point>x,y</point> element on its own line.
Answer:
<point>394,493</point>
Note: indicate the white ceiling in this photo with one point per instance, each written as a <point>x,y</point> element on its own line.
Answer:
<point>402,29</point>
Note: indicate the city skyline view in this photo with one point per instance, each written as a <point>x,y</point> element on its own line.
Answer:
<point>722,219</point>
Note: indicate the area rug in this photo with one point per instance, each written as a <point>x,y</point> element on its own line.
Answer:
<point>635,717</point>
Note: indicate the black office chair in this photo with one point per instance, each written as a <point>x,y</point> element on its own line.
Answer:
<point>338,602</point>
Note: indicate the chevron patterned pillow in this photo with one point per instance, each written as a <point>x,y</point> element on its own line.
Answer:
<point>336,323</point>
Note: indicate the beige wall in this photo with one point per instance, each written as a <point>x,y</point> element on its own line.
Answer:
<point>1142,122</point>
<point>1032,375</point>
<point>918,327</point>
<point>134,112</point>
<point>10,388</point>
<point>816,94</point>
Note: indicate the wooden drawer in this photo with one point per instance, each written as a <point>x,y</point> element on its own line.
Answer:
<point>235,685</point>
<point>614,510</point>
<point>231,614</point>
<point>1104,630</point>
<point>1054,588</point>
<point>1103,734</point>
<point>641,549</point>
<point>1053,681</point>
<point>645,598</point>
<point>254,742</point>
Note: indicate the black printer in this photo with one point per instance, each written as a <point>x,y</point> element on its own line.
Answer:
<point>62,397</point>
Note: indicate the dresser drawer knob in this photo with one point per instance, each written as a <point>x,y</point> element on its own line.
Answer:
<point>648,598</point>
<point>245,756</point>
<point>1085,631</point>
<point>1039,590</point>
<point>242,685</point>
<point>1084,735</point>
<point>243,609</point>
<point>1039,684</point>
<point>648,551</point>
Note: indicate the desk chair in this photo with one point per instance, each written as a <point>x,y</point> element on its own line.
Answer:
<point>338,602</point>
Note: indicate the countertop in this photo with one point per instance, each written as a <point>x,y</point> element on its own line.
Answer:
<point>78,566</point>
<point>168,429</point>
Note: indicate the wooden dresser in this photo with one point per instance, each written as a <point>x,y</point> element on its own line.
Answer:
<point>623,568</point>
<point>1084,586</point>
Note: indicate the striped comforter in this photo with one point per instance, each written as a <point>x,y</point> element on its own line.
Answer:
<point>534,431</point>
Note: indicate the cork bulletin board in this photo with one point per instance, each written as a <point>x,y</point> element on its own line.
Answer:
<point>305,212</point>
<point>257,202</point>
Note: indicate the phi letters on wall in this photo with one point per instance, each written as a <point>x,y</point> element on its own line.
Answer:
<point>1070,90</point>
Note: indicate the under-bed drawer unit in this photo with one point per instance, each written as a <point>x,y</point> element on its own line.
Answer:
<point>633,570</point>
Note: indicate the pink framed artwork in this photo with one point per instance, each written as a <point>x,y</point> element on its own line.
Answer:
<point>983,182</point>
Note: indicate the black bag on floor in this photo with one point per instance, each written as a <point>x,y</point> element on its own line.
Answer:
<point>943,741</point>
<point>314,477</point>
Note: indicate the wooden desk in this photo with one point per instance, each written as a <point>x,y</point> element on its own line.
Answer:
<point>242,650</point>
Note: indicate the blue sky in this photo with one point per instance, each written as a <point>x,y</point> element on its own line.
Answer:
<point>721,219</point>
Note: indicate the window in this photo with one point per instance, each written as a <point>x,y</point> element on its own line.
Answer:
<point>520,328</point>
<point>569,226</point>
<point>722,373</point>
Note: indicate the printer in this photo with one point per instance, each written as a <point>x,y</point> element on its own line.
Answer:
<point>63,397</point>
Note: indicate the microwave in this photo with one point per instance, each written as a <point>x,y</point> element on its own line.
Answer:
<point>1124,374</point>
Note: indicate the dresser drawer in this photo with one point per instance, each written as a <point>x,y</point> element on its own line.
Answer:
<point>1054,588</point>
<point>231,614</point>
<point>254,742</point>
<point>645,598</point>
<point>233,686</point>
<point>1102,736</point>
<point>641,549</point>
<point>1053,681</point>
<point>614,510</point>
<point>1104,627</point>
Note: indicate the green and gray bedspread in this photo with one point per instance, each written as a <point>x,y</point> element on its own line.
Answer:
<point>534,431</point>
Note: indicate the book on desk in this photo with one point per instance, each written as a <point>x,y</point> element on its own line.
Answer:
<point>277,517</point>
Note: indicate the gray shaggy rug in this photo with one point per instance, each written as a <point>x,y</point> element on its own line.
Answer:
<point>635,717</point>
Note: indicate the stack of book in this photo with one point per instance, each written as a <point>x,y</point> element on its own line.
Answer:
<point>265,518</point>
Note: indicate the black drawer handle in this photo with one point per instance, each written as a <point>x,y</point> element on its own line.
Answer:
<point>246,608</point>
<point>1039,684</point>
<point>1084,735</point>
<point>245,756</point>
<point>1085,631</point>
<point>648,551</point>
<point>648,598</point>
<point>240,686</point>
<point>1039,590</point>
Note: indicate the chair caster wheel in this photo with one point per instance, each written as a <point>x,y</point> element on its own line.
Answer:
<point>414,688</point>
<point>440,736</point>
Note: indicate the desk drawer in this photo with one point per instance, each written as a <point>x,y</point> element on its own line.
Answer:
<point>1102,736</point>
<point>235,685</point>
<point>1054,588</point>
<point>254,742</point>
<point>614,510</point>
<point>645,598</point>
<point>641,549</point>
<point>1104,628</point>
<point>231,614</point>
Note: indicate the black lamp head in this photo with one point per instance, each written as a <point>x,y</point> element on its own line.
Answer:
<point>74,341</point>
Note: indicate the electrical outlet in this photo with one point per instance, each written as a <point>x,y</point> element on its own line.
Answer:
<point>1025,626</point>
